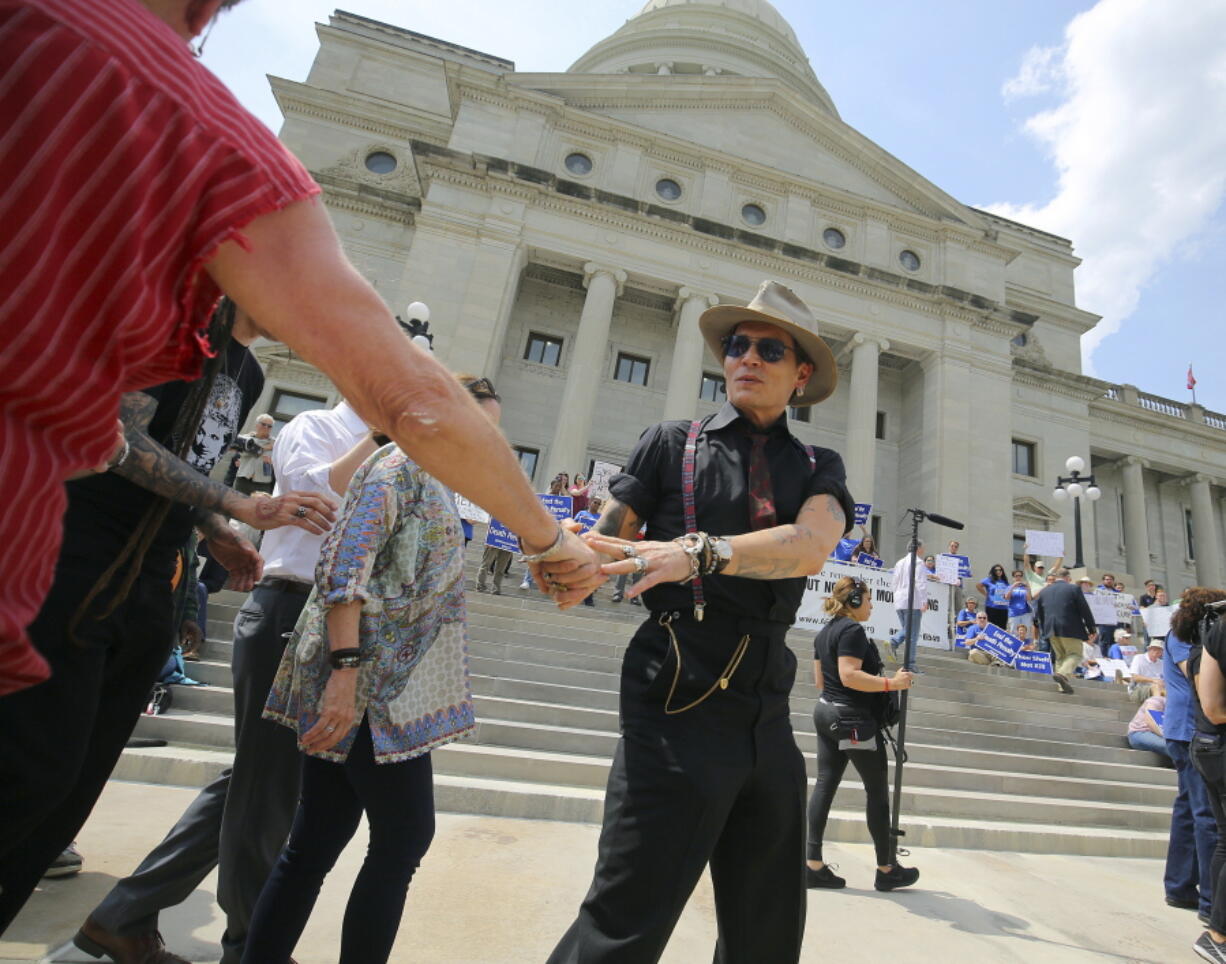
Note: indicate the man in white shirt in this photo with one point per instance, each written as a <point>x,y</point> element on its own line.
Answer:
<point>242,818</point>
<point>1146,669</point>
<point>909,620</point>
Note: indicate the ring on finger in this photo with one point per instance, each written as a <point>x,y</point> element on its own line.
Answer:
<point>640,565</point>
<point>629,551</point>
<point>329,728</point>
<point>301,512</point>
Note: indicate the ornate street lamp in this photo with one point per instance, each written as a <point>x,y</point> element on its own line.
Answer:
<point>418,325</point>
<point>1076,486</point>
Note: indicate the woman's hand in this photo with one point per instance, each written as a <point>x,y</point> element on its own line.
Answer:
<point>666,561</point>
<point>901,680</point>
<point>336,713</point>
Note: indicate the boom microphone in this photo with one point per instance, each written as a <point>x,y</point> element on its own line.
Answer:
<point>943,520</point>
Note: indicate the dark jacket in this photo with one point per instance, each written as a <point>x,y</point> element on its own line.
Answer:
<point>1061,610</point>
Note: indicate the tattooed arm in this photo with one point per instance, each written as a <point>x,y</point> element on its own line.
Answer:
<point>618,520</point>
<point>231,551</point>
<point>797,549</point>
<point>154,467</point>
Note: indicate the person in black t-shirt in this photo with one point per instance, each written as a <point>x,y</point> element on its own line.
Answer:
<point>847,670</point>
<point>1206,667</point>
<point>112,592</point>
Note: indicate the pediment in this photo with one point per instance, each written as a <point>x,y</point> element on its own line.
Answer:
<point>759,121</point>
<point>1032,510</point>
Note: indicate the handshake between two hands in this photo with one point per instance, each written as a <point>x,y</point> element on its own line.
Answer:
<point>587,561</point>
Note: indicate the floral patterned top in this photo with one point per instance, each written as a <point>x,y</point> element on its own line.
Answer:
<point>397,546</point>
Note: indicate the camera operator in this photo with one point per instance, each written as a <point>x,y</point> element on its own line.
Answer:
<point>847,670</point>
<point>1199,622</point>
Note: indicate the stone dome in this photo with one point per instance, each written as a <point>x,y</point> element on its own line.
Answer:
<point>746,38</point>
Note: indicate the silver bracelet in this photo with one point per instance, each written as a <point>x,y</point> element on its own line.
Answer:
<point>692,544</point>
<point>123,456</point>
<point>549,553</point>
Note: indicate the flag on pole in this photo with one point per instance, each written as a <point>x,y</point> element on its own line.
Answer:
<point>1191,379</point>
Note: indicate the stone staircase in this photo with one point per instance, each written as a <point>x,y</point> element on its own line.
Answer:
<point>997,760</point>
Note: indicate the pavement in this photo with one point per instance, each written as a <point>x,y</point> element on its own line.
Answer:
<point>501,891</point>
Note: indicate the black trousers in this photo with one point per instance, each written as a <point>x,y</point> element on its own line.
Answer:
<point>831,765</point>
<point>721,784</point>
<point>998,616</point>
<point>60,740</point>
<point>398,799</point>
<point>242,818</point>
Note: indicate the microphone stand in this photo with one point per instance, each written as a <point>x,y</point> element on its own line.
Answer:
<point>908,662</point>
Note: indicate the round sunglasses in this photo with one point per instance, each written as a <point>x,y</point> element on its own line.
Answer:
<point>770,350</point>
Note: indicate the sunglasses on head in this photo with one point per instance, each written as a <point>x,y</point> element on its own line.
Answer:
<point>770,350</point>
<point>482,388</point>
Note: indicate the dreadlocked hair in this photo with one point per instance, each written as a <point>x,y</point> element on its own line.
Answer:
<point>182,436</point>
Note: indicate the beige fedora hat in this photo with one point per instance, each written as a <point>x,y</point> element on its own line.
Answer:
<point>776,304</point>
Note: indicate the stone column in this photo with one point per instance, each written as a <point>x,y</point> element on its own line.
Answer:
<point>1136,527</point>
<point>688,352</point>
<point>1204,533</point>
<point>585,371</point>
<point>860,455</point>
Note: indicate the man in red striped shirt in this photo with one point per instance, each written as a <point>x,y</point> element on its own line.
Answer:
<point>136,188</point>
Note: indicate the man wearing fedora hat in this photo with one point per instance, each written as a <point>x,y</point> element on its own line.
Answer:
<point>707,771</point>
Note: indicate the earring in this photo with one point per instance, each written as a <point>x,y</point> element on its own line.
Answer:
<point>800,390</point>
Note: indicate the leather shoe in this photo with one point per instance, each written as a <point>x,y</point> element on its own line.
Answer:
<point>147,948</point>
<point>1183,903</point>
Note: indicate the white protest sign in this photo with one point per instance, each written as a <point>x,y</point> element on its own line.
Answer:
<point>470,511</point>
<point>1109,667</point>
<point>1039,542</point>
<point>883,622</point>
<point>602,475</point>
<point>949,569</point>
<point>1102,605</point>
<point>1157,620</point>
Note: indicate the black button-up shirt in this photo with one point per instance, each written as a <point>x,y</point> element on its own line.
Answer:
<point>651,486</point>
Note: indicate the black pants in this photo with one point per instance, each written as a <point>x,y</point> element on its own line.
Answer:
<point>399,802</point>
<point>998,616</point>
<point>242,818</point>
<point>721,784</point>
<point>1210,762</point>
<point>60,740</point>
<point>831,765</point>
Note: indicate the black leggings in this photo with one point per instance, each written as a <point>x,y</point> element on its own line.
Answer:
<point>831,763</point>
<point>399,802</point>
<point>1212,767</point>
<point>998,616</point>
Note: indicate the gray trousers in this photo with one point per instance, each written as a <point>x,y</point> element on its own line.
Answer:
<point>242,818</point>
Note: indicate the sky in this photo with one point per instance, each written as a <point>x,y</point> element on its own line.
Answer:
<point>1103,122</point>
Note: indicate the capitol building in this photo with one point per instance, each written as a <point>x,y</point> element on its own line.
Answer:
<point>567,230</point>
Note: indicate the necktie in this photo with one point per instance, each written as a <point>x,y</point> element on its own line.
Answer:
<point>761,494</point>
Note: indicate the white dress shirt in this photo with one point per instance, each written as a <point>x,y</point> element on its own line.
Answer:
<point>902,583</point>
<point>305,449</point>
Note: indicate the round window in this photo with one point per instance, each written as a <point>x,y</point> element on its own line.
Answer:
<point>753,214</point>
<point>834,238</point>
<point>668,189</point>
<point>380,162</point>
<point>578,163</point>
<point>909,260</point>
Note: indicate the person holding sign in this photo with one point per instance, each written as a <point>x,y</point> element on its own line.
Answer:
<point>1145,729</point>
<point>707,772</point>
<point>965,620</point>
<point>847,670</point>
<point>1146,670</point>
<point>978,634</point>
<point>1019,596</point>
<point>994,588</point>
<point>1064,618</point>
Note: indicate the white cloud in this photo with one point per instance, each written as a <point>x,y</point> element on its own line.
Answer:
<point>1040,72</point>
<point>1138,139</point>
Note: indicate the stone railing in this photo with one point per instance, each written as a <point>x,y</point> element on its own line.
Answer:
<point>1131,395</point>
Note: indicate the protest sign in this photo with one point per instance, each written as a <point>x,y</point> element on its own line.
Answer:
<point>1033,661</point>
<point>1040,542</point>
<point>602,475</point>
<point>1109,667</point>
<point>470,511</point>
<point>996,642</point>
<point>883,622</point>
<point>500,537</point>
<point>863,511</point>
<point>949,569</point>
<point>873,562</point>
<point>1102,606</point>
<point>1157,620</point>
<point>964,564</point>
<point>1158,716</point>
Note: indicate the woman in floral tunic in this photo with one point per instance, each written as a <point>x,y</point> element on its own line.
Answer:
<point>375,677</point>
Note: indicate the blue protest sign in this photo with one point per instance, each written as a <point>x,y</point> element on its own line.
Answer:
<point>1033,661</point>
<point>1158,716</point>
<point>500,537</point>
<point>865,560</point>
<point>998,643</point>
<point>863,510</point>
<point>964,565</point>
